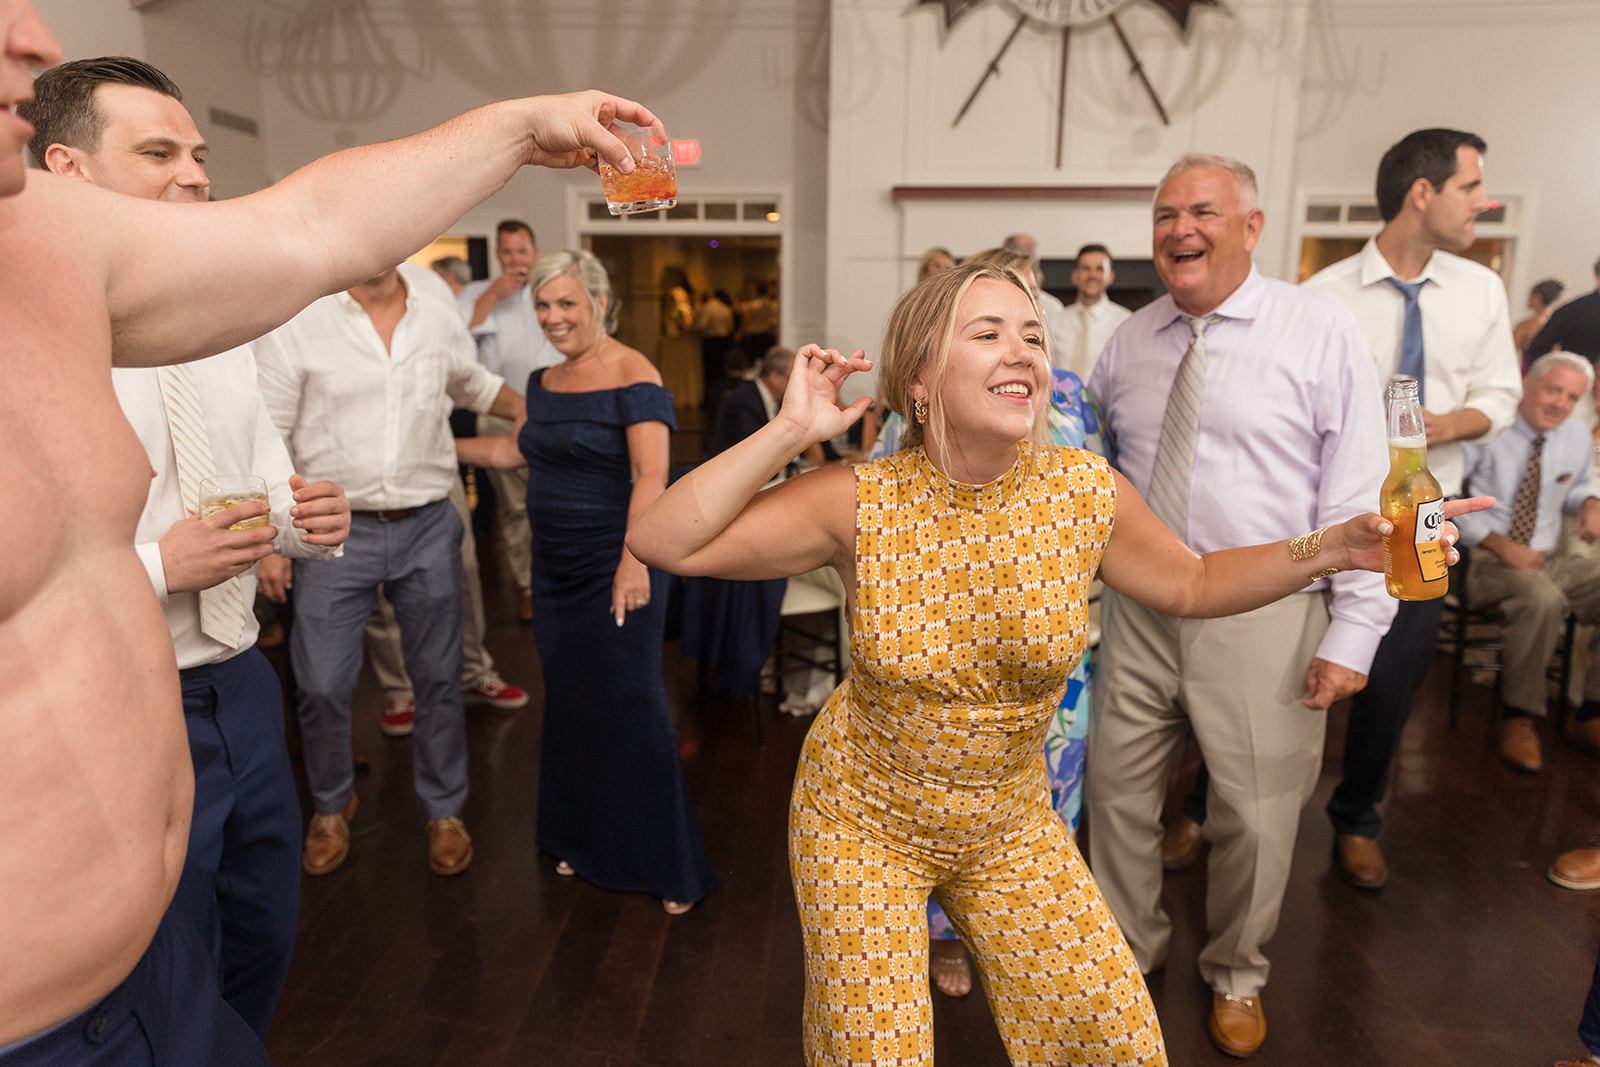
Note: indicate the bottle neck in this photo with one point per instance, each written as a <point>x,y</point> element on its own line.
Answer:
<point>1405,422</point>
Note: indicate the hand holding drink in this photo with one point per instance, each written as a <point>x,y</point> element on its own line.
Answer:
<point>230,490</point>
<point>653,184</point>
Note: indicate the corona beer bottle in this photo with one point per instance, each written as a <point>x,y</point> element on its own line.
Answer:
<point>1413,554</point>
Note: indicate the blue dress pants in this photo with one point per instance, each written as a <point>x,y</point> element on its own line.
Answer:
<point>241,876</point>
<point>166,1013</point>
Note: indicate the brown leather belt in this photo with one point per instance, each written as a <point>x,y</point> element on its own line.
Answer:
<point>389,515</point>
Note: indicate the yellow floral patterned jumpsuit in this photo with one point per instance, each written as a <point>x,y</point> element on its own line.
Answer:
<point>925,772</point>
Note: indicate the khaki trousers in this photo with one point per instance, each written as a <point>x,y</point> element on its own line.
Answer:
<point>1238,683</point>
<point>1536,607</point>
<point>511,504</point>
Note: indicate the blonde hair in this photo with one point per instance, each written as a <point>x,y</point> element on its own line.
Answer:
<point>591,277</point>
<point>916,344</point>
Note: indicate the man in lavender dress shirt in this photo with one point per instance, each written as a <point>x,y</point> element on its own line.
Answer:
<point>1287,436</point>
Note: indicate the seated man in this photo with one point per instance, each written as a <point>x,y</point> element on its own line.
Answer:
<point>751,405</point>
<point>1539,467</point>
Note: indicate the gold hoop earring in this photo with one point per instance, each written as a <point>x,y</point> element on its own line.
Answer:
<point>919,410</point>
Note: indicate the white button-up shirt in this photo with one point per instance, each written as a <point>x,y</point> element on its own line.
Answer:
<point>510,341</point>
<point>1468,358</point>
<point>1085,333</point>
<point>243,441</point>
<point>375,420</point>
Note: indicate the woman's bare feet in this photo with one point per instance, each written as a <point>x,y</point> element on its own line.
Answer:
<point>950,967</point>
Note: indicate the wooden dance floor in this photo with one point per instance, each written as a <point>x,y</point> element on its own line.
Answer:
<point>1469,957</point>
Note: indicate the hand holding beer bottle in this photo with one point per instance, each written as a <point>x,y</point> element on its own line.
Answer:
<point>1415,566</point>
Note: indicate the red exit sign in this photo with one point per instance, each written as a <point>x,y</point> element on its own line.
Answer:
<point>686,153</point>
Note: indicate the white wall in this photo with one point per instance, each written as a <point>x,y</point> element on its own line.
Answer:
<point>747,78</point>
<point>89,28</point>
<point>898,80</point>
<point>1522,76</point>
<point>211,70</point>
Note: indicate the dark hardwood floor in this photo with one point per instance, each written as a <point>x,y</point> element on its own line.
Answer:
<point>1469,957</point>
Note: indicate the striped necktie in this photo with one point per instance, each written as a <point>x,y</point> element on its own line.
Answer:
<point>1525,510</point>
<point>1168,496</point>
<point>221,606</point>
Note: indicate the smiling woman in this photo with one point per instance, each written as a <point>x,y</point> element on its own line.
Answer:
<point>612,805</point>
<point>925,772</point>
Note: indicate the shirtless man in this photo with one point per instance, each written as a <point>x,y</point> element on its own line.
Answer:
<point>95,774</point>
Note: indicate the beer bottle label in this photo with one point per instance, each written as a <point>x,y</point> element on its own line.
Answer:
<point>1430,549</point>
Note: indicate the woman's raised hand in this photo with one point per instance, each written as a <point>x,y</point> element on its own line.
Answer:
<point>811,398</point>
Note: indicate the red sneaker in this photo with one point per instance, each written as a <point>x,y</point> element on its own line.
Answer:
<point>492,690</point>
<point>398,718</point>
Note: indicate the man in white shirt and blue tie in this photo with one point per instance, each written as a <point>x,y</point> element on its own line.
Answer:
<point>1444,320</point>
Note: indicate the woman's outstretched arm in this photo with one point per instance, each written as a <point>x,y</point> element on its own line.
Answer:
<point>1143,560</point>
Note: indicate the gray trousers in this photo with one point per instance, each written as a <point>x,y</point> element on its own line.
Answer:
<point>1238,682</point>
<point>511,504</point>
<point>417,560</point>
<point>384,651</point>
<point>1536,607</point>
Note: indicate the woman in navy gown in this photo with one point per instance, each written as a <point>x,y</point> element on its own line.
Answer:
<point>612,802</point>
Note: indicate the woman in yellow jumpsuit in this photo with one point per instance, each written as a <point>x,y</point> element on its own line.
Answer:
<point>968,556</point>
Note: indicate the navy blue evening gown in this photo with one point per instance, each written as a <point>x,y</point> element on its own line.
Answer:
<point>612,801</point>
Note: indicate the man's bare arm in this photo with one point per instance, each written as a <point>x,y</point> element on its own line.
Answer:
<point>185,281</point>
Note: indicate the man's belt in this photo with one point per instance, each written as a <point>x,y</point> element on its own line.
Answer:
<point>387,514</point>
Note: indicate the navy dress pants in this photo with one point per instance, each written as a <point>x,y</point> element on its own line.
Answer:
<point>166,1013</point>
<point>241,877</point>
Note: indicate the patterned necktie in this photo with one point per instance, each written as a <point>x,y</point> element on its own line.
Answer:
<point>1411,335</point>
<point>1169,481</point>
<point>1525,511</point>
<point>221,606</point>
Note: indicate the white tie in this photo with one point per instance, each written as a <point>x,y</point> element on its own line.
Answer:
<point>221,606</point>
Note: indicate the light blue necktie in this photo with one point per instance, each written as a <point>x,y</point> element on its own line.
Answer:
<point>1169,480</point>
<point>1411,335</point>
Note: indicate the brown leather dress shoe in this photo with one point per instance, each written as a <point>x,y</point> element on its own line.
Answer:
<point>1237,1024</point>
<point>1360,861</point>
<point>1585,735</point>
<point>1180,845</point>
<point>328,840</point>
<point>1578,869</point>
<point>1519,744</point>
<point>449,847</point>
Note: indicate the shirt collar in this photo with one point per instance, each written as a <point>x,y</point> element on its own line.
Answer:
<point>348,305</point>
<point>1374,268</point>
<point>1243,303</point>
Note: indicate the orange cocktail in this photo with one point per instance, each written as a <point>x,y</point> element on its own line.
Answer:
<point>653,184</point>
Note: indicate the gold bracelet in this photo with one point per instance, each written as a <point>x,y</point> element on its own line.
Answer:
<point>1306,546</point>
<point>1326,572</point>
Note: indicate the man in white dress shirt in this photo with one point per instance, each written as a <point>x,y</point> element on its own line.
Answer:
<point>361,384</point>
<point>1088,323</point>
<point>241,879</point>
<point>1444,320</point>
<point>512,344</point>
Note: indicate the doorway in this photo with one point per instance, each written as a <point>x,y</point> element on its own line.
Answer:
<point>660,280</point>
